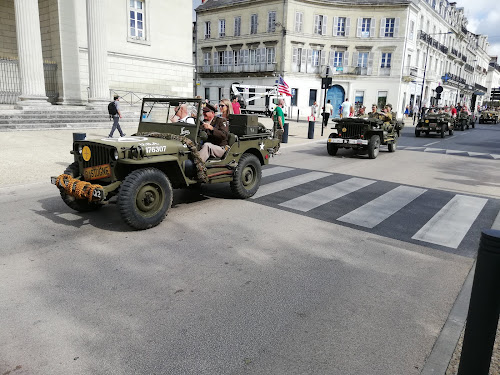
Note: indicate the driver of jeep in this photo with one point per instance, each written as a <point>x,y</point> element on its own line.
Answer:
<point>217,129</point>
<point>181,115</point>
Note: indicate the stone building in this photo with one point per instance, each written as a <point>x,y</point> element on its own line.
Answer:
<point>78,52</point>
<point>376,51</point>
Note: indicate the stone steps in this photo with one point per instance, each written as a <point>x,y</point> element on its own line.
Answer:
<point>66,118</point>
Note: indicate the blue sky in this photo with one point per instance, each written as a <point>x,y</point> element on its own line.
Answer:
<point>483,16</point>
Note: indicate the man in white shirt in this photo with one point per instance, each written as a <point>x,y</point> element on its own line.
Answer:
<point>328,110</point>
<point>346,108</point>
<point>181,115</point>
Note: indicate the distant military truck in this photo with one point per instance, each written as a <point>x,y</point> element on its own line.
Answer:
<point>435,120</point>
<point>364,135</point>
<point>488,116</point>
<point>141,170</point>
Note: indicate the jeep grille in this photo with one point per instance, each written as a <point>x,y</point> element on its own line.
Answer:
<point>352,131</point>
<point>100,155</point>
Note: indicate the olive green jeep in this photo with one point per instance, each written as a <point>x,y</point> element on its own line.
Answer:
<point>141,170</point>
<point>435,120</point>
<point>464,120</point>
<point>488,116</point>
<point>364,135</point>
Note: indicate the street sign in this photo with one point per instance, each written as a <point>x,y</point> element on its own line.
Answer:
<point>326,82</point>
<point>439,89</point>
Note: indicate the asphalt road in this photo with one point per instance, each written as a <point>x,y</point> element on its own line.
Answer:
<point>289,282</point>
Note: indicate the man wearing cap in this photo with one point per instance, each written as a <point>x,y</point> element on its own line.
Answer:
<point>217,129</point>
<point>116,118</point>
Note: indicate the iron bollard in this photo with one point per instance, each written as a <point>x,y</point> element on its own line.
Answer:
<point>310,131</point>
<point>285,133</point>
<point>79,136</point>
<point>484,308</point>
<point>298,111</point>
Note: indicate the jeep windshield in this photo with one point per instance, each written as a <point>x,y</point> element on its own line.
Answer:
<point>169,115</point>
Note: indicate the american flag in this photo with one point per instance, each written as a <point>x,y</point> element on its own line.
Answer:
<point>283,87</point>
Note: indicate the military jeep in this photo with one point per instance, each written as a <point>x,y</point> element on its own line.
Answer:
<point>141,170</point>
<point>435,120</point>
<point>488,116</point>
<point>364,135</point>
<point>464,120</point>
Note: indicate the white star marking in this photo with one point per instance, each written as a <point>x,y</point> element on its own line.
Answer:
<point>261,145</point>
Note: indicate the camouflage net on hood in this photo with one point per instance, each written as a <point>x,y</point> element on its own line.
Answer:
<point>201,170</point>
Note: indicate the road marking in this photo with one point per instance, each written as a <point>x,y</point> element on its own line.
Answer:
<point>381,208</point>
<point>320,197</point>
<point>287,183</point>
<point>496,223</point>
<point>274,171</point>
<point>495,156</point>
<point>432,143</point>
<point>450,225</point>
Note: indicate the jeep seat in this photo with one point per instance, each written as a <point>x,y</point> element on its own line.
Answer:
<point>232,138</point>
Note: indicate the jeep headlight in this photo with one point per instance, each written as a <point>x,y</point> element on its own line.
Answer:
<point>114,154</point>
<point>80,148</point>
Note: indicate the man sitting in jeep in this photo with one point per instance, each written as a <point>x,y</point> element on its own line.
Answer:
<point>217,129</point>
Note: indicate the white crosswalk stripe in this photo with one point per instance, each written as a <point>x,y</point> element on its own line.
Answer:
<point>274,171</point>
<point>287,183</point>
<point>320,197</point>
<point>450,225</point>
<point>381,208</point>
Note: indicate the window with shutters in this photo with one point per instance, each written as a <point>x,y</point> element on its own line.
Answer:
<point>298,22</point>
<point>389,27</point>
<point>341,23</point>
<point>365,27</point>
<point>271,55</point>
<point>386,60</point>
<point>222,28</point>
<point>253,56</point>
<point>338,59</point>
<point>207,30</point>
<point>315,57</point>
<point>236,58</point>
<point>320,24</point>
<point>362,59</point>
<point>271,22</point>
<point>237,26</point>
<point>253,24</point>
<point>295,93</point>
<point>207,57</point>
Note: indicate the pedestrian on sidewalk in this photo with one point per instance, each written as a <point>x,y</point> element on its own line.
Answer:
<point>278,123</point>
<point>327,111</point>
<point>116,115</point>
<point>314,110</point>
<point>236,105</point>
<point>407,111</point>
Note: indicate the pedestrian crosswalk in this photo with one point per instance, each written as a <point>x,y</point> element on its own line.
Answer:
<point>435,218</point>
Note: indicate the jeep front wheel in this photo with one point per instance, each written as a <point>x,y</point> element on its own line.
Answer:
<point>373,146</point>
<point>246,178</point>
<point>332,148</point>
<point>80,205</point>
<point>417,133</point>
<point>145,197</point>
<point>392,146</point>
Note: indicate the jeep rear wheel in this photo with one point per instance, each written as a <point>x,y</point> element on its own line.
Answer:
<point>393,146</point>
<point>373,146</point>
<point>332,148</point>
<point>80,205</point>
<point>246,178</point>
<point>450,131</point>
<point>145,197</point>
<point>442,132</point>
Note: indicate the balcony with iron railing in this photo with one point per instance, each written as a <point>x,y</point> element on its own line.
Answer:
<point>454,52</point>
<point>469,68</point>
<point>410,71</point>
<point>453,78</point>
<point>479,87</point>
<point>464,58</point>
<point>243,68</point>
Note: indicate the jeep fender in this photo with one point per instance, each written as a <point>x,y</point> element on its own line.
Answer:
<point>380,133</point>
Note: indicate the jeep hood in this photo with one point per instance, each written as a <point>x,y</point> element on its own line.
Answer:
<point>151,145</point>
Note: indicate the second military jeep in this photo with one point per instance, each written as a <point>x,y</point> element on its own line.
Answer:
<point>464,120</point>
<point>364,135</point>
<point>435,120</point>
<point>141,170</point>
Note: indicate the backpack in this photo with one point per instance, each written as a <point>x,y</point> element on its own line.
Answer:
<point>112,109</point>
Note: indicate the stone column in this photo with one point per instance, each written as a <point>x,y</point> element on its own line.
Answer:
<point>29,46</point>
<point>98,54</point>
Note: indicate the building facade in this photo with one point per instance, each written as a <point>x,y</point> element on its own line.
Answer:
<point>79,52</point>
<point>389,51</point>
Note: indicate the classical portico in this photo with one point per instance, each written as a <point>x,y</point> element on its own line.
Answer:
<point>63,52</point>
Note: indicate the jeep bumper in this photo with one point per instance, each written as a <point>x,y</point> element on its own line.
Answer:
<point>344,141</point>
<point>83,190</point>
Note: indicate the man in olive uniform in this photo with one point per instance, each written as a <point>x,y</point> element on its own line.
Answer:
<point>361,112</point>
<point>373,113</point>
<point>217,129</point>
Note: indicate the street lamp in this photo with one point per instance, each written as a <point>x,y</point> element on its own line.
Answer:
<point>425,66</point>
